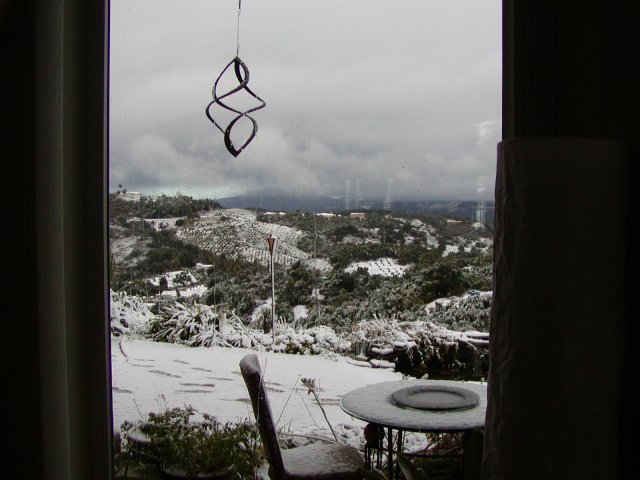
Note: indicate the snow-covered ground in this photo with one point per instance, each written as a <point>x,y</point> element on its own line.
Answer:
<point>160,224</point>
<point>482,244</point>
<point>428,230</point>
<point>181,280</point>
<point>448,249</point>
<point>148,377</point>
<point>173,279</point>
<point>386,267</point>
<point>121,246</point>
<point>321,264</point>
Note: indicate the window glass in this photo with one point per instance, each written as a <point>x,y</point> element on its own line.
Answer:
<point>369,90</point>
<point>373,166</point>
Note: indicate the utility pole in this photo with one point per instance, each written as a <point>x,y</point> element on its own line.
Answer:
<point>271,241</point>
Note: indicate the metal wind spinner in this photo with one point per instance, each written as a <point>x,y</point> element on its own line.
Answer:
<point>242,75</point>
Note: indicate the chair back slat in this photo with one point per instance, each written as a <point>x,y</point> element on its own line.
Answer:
<point>252,374</point>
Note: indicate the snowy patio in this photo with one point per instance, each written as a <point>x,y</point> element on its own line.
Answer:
<point>150,376</point>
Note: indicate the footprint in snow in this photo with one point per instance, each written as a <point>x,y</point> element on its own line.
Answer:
<point>160,372</point>
<point>192,391</point>
<point>120,390</point>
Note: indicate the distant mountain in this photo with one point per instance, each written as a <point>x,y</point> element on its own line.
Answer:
<point>266,200</point>
<point>459,209</point>
<point>283,202</point>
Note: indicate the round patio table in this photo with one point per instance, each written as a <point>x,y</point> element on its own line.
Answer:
<point>384,404</point>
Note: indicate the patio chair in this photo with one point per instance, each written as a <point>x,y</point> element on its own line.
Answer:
<point>310,462</point>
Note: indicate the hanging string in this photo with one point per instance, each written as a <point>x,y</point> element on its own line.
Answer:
<point>238,29</point>
<point>242,76</point>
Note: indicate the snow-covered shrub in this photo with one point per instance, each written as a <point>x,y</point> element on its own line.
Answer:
<point>424,344</point>
<point>479,277</point>
<point>312,341</point>
<point>196,324</point>
<point>183,323</point>
<point>469,312</point>
<point>128,314</point>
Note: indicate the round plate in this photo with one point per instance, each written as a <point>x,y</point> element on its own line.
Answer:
<point>436,397</point>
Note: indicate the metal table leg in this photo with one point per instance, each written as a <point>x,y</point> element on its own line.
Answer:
<point>390,452</point>
<point>391,463</point>
<point>400,433</point>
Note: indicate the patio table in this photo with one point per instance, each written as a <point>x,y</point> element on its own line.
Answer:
<point>376,404</point>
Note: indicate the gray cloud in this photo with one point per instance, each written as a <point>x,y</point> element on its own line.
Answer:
<point>368,89</point>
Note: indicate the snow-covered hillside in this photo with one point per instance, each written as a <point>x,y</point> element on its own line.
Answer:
<point>237,234</point>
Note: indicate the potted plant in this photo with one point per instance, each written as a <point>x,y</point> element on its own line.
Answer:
<point>173,444</point>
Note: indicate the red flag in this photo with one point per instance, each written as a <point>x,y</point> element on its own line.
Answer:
<point>272,242</point>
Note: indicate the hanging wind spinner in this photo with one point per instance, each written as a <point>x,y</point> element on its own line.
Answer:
<point>242,76</point>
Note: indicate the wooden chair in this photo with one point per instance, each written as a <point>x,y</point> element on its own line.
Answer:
<point>310,462</point>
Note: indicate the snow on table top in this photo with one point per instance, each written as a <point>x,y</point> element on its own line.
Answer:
<point>154,376</point>
<point>373,403</point>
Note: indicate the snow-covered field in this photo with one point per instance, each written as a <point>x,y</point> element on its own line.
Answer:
<point>148,377</point>
<point>236,233</point>
<point>321,264</point>
<point>386,267</point>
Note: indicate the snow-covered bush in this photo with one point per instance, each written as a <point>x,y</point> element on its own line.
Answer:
<point>421,344</point>
<point>479,277</point>
<point>424,344</point>
<point>183,323</point>
<point>129,314</point>
<point>312,341</point>
<point>196,324</point>
<point>469,312</point>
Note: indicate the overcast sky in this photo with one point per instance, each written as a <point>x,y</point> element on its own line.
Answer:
<point>407,90</point>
